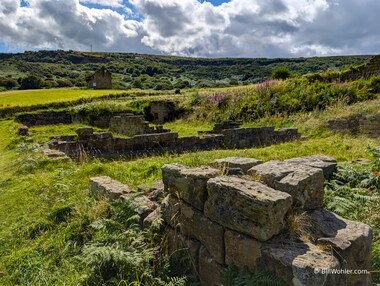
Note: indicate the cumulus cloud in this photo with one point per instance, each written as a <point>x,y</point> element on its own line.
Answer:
<point>105,3</point>
<point>238,28</point>
<point>67,24</point>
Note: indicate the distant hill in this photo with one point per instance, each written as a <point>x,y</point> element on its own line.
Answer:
<point>70,68</point>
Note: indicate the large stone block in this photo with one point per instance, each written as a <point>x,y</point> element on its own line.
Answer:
<point>142,206</point>
<point>241,250</point>
<point>351,240</point>
<point>209,269</point>
<point>84,132</point>
<point>299,264</point>
<point>193,223</point>
<point>305,184</point>
<point>106,187</point>
<point>155,192</point>
<point>152,217</point>
<point>188,184</point>
<point>246,206</point>
<point>326,163</point>
<point>237,162</point>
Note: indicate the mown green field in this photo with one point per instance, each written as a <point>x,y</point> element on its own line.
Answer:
<point>44,96</point>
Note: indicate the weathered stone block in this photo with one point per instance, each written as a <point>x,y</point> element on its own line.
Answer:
<point>102,135</point>
<point>237,162</point>
<point>305,184</point>
<point>23,131</point>
<point>106,187</point>
<point>351,240</point>
<point>142,205</point>
<point>246,206</point>
<point>55,155</point>
<point>84,132</point>
<point>188,184</point>
<point>152,217</point>
<point>299,264</point>
<point>209,269</point>
<point>155,192</point>
<point>241,250</point>
<point>193,223</point>
<point>326,163</point>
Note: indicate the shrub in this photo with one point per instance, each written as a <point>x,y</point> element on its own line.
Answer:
<point>31,82</point>
<point>280,72</point>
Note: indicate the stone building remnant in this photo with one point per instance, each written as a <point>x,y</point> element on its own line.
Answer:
<point>244,220</point>
<point>101,79</point>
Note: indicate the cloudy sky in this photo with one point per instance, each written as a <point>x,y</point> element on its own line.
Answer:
<point>214,28</point>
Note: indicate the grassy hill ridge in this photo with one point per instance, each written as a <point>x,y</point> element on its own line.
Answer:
<point>70,68</point>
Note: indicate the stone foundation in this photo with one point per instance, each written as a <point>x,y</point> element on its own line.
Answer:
<point>131,125</point>
<point>357,124</point>
<point>104,144</point>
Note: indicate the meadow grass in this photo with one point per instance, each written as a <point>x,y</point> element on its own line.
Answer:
<point>45,96</point>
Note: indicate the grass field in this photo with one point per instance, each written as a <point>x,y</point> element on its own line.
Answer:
<point>44,96</point>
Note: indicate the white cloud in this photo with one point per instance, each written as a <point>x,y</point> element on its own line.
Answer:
<point>105,3</point>
<point>67,24</point>
<point>238,28</point>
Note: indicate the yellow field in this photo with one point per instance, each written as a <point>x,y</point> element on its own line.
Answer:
<point>43,96</point>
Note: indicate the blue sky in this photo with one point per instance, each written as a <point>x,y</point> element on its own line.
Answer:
<point>238,28</point>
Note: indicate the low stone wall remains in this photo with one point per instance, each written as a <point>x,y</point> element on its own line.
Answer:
<point>131,125</point>
<point>357,124</point>
<point>44,118</point>
<point>248,220</point>
<point>86,142</point>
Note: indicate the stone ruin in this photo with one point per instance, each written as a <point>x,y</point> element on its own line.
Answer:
<point>131,125</point>
<point>159,111</point>
<point>104,144</point>
<point>246,220</point>
<point>357,124</point>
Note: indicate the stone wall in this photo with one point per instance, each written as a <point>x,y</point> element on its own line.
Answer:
<point>245,220</point>
<point>105,144</point>
<point>372,67</point>
<point>131,125</point>
<point>63,117</point>
<point>44,118</point>
<point>162,111</point>
<point>357,124</point>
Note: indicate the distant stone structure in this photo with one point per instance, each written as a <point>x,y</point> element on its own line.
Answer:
<point>246,220</point>
<point>162,111</point>
<point>105,144</point>
<point>372,67</point>
<point>131,125</point>
<point>102,79</point>
<point>357,124</point>
<point>44,118</point>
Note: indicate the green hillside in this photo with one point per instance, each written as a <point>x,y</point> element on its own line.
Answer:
<point>70,68</point>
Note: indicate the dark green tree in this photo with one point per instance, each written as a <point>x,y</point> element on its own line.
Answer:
<point>31,82</point>
<point>280,72</point>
